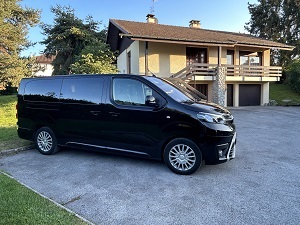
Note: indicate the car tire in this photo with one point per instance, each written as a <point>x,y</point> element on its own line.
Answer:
<point>45,141</point>
<point>182,156</point>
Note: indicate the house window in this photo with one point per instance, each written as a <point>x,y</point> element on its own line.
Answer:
<point>250,58</point>
<point>196,55</point>
<point>129,62</point>
<point>230,57</point>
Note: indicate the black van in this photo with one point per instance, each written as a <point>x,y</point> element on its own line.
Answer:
<point>127,114</point>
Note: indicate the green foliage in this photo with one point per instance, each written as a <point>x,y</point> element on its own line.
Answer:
<point>95,59</point>
<point>14,24</point>
<point>20,205</point>
<point>9,89</point>
<point>67,38</point>
<point>293,76</point>
<point>277,20</point>
<point>8,124</point>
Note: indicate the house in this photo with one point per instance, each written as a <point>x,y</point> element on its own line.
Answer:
<point>231,69</point>
<point>44,63</point>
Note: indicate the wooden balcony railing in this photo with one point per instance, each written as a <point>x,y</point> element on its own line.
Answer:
<point>203,69</point>
<point>261,71</point>
<point>197,69</point>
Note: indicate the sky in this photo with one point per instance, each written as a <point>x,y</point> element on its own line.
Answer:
<point>225,15</point>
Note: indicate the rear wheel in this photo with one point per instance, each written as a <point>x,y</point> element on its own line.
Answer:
<point>182,156</point>
<point>45,141</point>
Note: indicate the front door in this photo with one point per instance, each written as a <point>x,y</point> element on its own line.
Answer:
<point>131,125</point>
<point>196,55</point>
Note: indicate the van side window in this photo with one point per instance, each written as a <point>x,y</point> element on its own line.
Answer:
<point>128,91</point>
<point>82,90</point>
<point>43,90</point>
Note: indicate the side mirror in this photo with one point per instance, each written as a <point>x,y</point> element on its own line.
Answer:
<point>150,101</point>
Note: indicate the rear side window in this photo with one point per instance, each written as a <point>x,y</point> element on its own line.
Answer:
<point>43,90</point>
<point>84,90</point>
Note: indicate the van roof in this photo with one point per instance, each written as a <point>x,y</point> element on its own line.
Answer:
<point>81,75</point>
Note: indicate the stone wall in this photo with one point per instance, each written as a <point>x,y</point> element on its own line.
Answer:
<point>219,87</point>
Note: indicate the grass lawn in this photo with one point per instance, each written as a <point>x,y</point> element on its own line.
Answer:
<point>279,92</point>
<point>8,128</point>
<point>19,205</point>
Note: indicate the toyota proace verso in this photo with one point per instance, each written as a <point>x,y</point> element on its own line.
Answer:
<point>135,115</point>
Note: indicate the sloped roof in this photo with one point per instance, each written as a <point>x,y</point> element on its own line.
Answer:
<point>160,32</point>
<point>44,59</point>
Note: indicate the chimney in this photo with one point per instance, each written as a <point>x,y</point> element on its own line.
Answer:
<point>195,24</point>
<point>151,18</point>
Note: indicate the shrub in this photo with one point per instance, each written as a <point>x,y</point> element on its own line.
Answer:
<point>293,76</point>
<point>9,89</point>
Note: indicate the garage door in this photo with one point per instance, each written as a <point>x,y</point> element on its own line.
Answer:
<point>249,94</point>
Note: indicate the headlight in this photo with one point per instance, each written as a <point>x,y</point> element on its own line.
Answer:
<point>211,118</point>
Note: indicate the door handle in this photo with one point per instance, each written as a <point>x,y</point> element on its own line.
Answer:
<point>95,113</point>
<point>114,114</point>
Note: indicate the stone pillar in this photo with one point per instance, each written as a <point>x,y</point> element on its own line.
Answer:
<point>219,87</point>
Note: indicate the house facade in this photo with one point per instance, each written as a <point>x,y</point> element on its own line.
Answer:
<point>231,69</point>
<point>45,63</point>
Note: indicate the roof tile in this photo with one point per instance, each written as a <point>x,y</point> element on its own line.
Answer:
<point>187,34</point>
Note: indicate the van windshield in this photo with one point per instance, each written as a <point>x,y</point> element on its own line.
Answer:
<point>171,90</point>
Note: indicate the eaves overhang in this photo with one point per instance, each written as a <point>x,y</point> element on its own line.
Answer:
<point>201,42</point>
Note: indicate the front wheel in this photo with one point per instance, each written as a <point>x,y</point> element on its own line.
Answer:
<point>182,156</point>
<point>45,141</point>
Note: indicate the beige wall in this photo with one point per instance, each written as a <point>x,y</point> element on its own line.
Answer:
<point>166,59</point>
<point>122,59</point>
<point>163,59</point>
<point>213,55</point>
<point>134,48</point>
<point>122,63</point>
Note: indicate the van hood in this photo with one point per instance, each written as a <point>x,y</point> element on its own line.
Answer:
<point>207,107</point>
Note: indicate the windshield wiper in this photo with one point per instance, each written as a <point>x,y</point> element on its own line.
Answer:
<point>188,101</point>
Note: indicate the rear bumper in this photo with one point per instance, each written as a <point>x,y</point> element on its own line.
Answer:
<point>25,133</point>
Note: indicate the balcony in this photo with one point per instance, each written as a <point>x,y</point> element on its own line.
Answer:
<point>208,72</point>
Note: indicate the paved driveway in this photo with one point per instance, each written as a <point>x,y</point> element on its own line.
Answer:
<point>260,186</point>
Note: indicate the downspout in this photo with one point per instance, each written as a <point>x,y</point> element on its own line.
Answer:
<point>146,59</point>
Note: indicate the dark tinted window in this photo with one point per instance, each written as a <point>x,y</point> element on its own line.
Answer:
<point>133,92</point>
<point>43,90</point>
<point>171,90</point>
<point>82,90</point>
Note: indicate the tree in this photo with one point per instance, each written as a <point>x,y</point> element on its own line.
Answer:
<point>68,36</point>
<point>95,59</point>
<point>14,24</point>
<point>293,75</point>
<point>277,20</point>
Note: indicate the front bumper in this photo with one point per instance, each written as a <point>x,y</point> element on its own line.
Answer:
<point>228,153</point>
<point>219,149</point>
